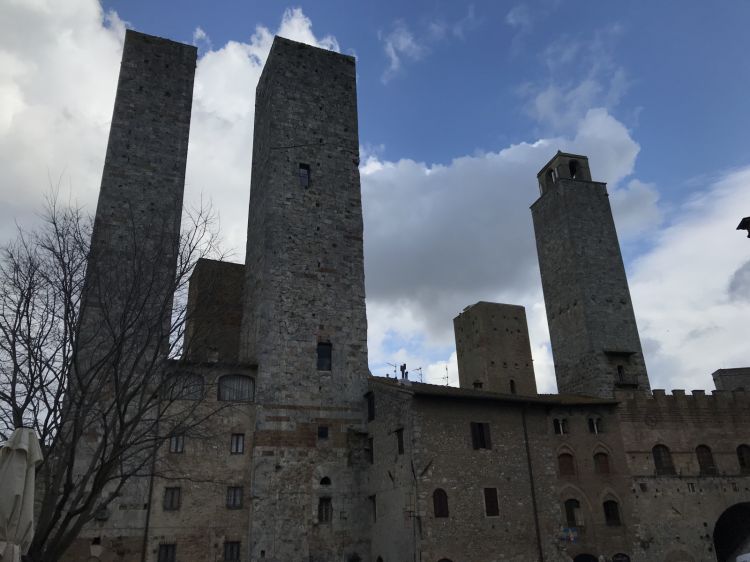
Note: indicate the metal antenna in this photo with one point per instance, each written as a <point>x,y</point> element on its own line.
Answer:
<point>394,369</point>
<point>420,373</point>
<point>446,374</point>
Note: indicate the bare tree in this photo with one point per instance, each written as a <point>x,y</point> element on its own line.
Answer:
<point>88,349</point>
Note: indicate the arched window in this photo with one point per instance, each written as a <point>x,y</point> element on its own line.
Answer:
<point>560,425</point>
<point>440,502</point>
<point>573,513</point>
<point>705,460</point>
<point>596,425</point>
<point>566,464</point>
<point>573,167</point>
<point>663,461</point>
<point>601,463</point>
<point>612,513</point>
<point>325,481</point>
<point>236,388</point>
<point>184,386</point>
<point>743,456</point>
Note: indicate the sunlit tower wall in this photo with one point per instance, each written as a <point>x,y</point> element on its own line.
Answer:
<point>595,342</point>
<point>304,322</point>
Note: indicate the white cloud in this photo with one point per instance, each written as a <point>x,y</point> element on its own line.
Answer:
<point>399,43</point>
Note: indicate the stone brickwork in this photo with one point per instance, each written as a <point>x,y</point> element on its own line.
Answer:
<point>732,379</point>
<point>594,336</point>
<point>493,349</point>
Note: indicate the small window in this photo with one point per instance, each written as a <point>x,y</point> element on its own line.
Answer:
<point>705,461</point>
<point>478,385</point>
<point>400,440</point>
<point>370,450</point>
<point>323,432</point>
<point>171,499</point>
<point>231,551</point>
<point>370,406</point>
<point>480,435</point>
<point>663,461</point>
<point>177,444</point>
<point>595,425</point>
<point>167,553</point>
<point>236,388</point>
<point>621,373</point>
<point>237,444</point>
<point>512,386</point>
<point>440,502</point>
<point>325,481</point>
<point>491,507</point>
<point>612,513</point>
<point>560,426</point>
<point>325,510</point>
<point>324,356</point>
<point>373,508</point>
<point>573,513</point>
<point>601,463</point>
<point>304,175</point>
<point>743,456</point>
<point>234,497</point>
<point>566,464</point>
<point>573,168</point>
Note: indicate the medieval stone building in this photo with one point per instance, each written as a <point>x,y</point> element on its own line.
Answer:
<point>316,460</point>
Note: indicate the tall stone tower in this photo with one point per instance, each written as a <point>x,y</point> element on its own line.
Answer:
<point>595,341</point>
<point>493,349</point>
<point>304,322</point>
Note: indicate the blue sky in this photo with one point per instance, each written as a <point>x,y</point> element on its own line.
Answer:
<point>460,104</point>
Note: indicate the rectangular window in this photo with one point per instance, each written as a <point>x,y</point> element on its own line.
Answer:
<point>324,356</point>
<point>167,553</point>
<point>373,508</point>
<point>234,497</point>
<point>325,510</point>
<point>231,551</point>
<point>171,499</point>
<point>480,435</point>
<point>400,440</point>
<point>177,444</point>
<point>322,432</point>
<point>370,450</point>
<point>304,175</point>
<point>237,444</point>
<point>370,406</point>
<point>491,507</point>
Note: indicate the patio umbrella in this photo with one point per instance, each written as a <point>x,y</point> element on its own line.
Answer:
<point>18,459</point>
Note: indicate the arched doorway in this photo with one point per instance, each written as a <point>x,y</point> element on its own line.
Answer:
<point>732,532</point>
<point>585,558</point>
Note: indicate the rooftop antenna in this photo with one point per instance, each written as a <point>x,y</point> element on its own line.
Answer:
<point>404,372</point>
<point>446,374</point>
<point>420,373</point>
<point>394,369</point>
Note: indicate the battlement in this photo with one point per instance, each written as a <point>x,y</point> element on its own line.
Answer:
<point>657,405</point>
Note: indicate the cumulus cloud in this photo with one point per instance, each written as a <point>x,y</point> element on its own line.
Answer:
<point>399,44</point>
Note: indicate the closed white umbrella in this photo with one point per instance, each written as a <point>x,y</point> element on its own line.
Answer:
<point>18,459</point>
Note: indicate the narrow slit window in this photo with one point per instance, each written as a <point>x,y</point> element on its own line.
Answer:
<point>491,506</point>
<point>370,406</point>
<point>400,440</point>
<point>304,175</point>
<point>370,452</point>
<point>325,350</point>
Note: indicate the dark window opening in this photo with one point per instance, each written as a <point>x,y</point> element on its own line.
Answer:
<point>512,386</point>
<point>480,435</point>
<point>304,175</point>
<point>612,513</point>
<point>560,425</point>
<point>478,385</point>
<point>400,440</point>
<point>171,499</point>
<point>236,388</point>
<point>663,461</point>
<point>370,406</point>
<point>601,463</point>
<point>743,456</point>
<point>237,444</point>
<point>370,450</point>
<point>373,508</point>
<point>572,513</point>
<point>566,464</point>
<point>177,444</point>
<point>621,373</point>
<point>322,432</point>
<point>706,461</point>
<point>234,497</point>
<point>595,425</point>
<point>440,502</point>
<point>231,551</point>
<point>325,481</point>
<point>325,510</point>
<point>573,167</point>
<point>324,356</point>
<point>491,507</point>
<point>167,553</point>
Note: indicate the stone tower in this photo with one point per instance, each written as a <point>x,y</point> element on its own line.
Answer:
<point>304,322</point>
<point>493,349</point>
<point>594,336</point>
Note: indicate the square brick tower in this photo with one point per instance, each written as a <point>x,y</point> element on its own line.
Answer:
<point>595,341</point>
<point>304,322</point>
